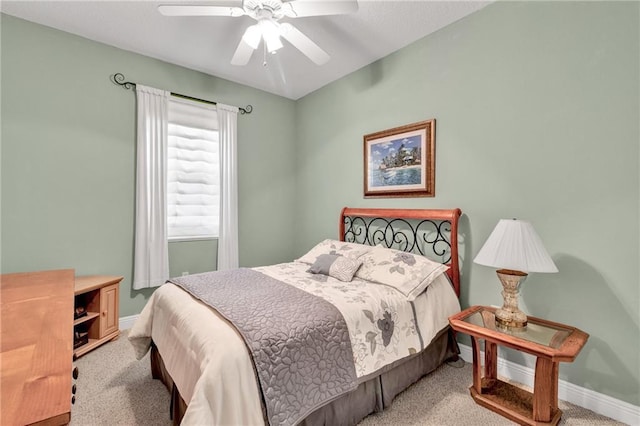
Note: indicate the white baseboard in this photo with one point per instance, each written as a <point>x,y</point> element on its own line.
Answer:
<point>127,322</point>
<point>591,400</point>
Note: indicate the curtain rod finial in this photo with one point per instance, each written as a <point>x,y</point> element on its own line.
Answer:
<point>119,79</point>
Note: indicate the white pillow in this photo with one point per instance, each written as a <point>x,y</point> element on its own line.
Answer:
<point>408,273</point>
<point>348,250</point>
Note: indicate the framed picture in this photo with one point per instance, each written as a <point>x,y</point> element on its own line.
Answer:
<point>400,162</point>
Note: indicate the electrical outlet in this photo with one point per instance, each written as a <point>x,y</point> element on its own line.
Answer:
<point>185,273</point>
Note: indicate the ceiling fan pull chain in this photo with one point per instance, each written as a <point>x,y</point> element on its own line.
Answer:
<point>264,54</point>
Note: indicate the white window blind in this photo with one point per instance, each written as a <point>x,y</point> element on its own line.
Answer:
<point>193,171</point>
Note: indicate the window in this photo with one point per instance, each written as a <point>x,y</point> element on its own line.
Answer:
<point>193,171</point>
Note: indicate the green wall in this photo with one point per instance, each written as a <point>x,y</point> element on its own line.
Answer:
<point>537,116</point>
<point>68,159</point>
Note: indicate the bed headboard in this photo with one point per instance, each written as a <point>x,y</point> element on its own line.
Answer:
<point>432,233</point>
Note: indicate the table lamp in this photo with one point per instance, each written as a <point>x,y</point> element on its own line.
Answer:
<point>516,249</point>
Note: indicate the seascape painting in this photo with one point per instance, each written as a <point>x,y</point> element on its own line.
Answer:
<point>399,162</point>
<point>396,162</point>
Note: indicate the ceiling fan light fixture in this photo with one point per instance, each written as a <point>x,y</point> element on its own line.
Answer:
<point>252,36</point>
<point>285,27</point>
<point>273,43</point>
<point>271,34</point>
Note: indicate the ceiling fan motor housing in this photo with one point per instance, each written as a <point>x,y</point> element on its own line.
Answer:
<point>261,9</point>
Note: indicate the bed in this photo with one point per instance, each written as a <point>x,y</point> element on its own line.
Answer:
<point>377,326</point>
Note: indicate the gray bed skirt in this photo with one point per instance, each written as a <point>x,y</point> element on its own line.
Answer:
<point>372,395</point>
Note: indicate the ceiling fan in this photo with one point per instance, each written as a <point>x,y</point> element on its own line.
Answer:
<point>268,13</point>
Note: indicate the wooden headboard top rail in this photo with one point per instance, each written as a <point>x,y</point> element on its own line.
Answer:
<point>443,222</point>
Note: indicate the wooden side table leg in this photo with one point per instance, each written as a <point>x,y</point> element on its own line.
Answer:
<point>490,360</point>
<point>545,390</point>
<point>477,365</point>
<point>554,390</point>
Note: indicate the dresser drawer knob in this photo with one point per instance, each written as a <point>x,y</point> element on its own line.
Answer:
<point>73,389</point>
<point>73,399</point>
<point>75,373</point>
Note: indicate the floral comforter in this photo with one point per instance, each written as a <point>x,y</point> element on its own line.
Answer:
<point>383,327</point>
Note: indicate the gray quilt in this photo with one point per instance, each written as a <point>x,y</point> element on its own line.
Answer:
<point>299,342</point>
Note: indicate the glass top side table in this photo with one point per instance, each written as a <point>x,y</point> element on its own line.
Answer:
<point>543,333</point>
<point>550,342</point>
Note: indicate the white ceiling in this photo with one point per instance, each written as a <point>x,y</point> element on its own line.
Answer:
<point>207,44</point>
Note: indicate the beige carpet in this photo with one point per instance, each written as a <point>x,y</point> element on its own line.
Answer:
<point>113,388</point>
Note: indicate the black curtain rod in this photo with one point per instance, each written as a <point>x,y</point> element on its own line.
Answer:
<point>120,80</point>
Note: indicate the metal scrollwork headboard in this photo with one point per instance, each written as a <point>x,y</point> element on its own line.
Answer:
<point>431,233</point>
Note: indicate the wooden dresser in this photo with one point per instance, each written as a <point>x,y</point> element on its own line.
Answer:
<point>36,347</point>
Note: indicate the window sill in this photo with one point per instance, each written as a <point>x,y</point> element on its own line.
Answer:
<point>191,239</point>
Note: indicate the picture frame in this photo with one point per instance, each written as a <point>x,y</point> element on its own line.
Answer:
<point>400,162</point>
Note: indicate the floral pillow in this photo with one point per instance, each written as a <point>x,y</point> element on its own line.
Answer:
<point>349,250</point>
<point>335,266</point>
<point>408,273</point>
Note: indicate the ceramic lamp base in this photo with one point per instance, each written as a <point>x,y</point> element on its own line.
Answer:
<point>510,316</point>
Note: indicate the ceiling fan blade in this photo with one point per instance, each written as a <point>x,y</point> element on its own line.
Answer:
<point>243,54</point>
<point>193,10</point>
<point>303,44</point>
<point>302,8</point>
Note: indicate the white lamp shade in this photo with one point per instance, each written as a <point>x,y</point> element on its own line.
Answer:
<point>514,244</point>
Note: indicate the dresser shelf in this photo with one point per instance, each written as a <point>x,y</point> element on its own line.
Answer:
<point>99,295</point>
<point>88,317</point>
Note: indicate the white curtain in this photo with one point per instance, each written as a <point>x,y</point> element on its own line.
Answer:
<point>228,240</point>
<point>151,258</point>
